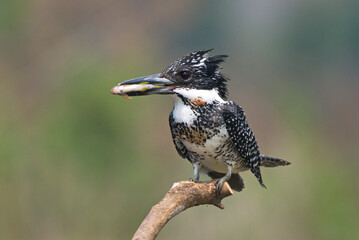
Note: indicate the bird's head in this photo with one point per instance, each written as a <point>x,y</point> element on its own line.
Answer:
<point>196,70</point>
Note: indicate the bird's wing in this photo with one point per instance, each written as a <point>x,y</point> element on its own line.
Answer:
<point>181,149</point>
<point>242,136</point>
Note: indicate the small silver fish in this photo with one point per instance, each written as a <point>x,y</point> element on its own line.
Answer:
<point>124,89</point>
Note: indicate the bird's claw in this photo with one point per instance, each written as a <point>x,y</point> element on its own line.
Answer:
<point>193,180</point>
<point>219,184</point>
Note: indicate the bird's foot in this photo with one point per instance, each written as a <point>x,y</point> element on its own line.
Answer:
<point>196,180</point>
<point>195,173</point>
<point>219,185</point>
<point>219,182</point>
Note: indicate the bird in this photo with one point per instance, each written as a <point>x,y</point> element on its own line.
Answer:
<point>212,133</point>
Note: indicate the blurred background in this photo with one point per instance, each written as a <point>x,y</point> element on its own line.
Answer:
<point>79,163</point>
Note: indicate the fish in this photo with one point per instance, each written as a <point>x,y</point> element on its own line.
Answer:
<point>123,90</point>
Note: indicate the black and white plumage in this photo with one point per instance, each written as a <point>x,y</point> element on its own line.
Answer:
<point>212,133</point>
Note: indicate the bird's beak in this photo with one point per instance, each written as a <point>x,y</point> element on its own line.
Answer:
<point>153,84</point>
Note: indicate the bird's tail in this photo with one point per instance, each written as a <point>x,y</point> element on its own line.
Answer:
<point>272,162</point>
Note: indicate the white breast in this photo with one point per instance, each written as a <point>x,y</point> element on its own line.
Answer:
<point>183,113</point>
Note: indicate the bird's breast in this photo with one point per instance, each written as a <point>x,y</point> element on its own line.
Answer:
<point>205,140</point>
<point>183,113</point>
<point>212,148</point>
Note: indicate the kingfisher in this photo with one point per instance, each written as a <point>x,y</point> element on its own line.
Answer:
<point>212,133</point>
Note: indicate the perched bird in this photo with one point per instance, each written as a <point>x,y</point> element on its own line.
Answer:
<point>209,131</point>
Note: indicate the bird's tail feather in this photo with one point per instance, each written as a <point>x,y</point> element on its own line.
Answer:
<point>267,161</point>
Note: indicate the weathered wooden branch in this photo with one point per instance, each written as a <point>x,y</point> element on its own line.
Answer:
<point>181,196</point>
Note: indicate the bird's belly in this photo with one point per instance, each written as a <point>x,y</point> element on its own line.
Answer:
<point>215,154</point>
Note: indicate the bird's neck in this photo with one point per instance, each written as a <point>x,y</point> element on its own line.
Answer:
<point>196,96</point>
<point>189,104</point>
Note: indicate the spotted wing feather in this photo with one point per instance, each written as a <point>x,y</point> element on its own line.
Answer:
<point>243,137</point>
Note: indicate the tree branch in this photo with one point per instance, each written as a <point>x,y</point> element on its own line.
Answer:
<point>181,196</point>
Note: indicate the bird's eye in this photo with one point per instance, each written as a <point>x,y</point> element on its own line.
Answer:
<point>185,75</point>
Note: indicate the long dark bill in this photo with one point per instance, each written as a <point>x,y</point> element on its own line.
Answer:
<point>153,84</point>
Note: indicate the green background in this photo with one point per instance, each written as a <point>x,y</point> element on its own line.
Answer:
<point>79,163</point>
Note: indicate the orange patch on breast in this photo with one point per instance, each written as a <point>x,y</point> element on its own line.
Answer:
<point>194,137</point>
<point>198,102</point>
